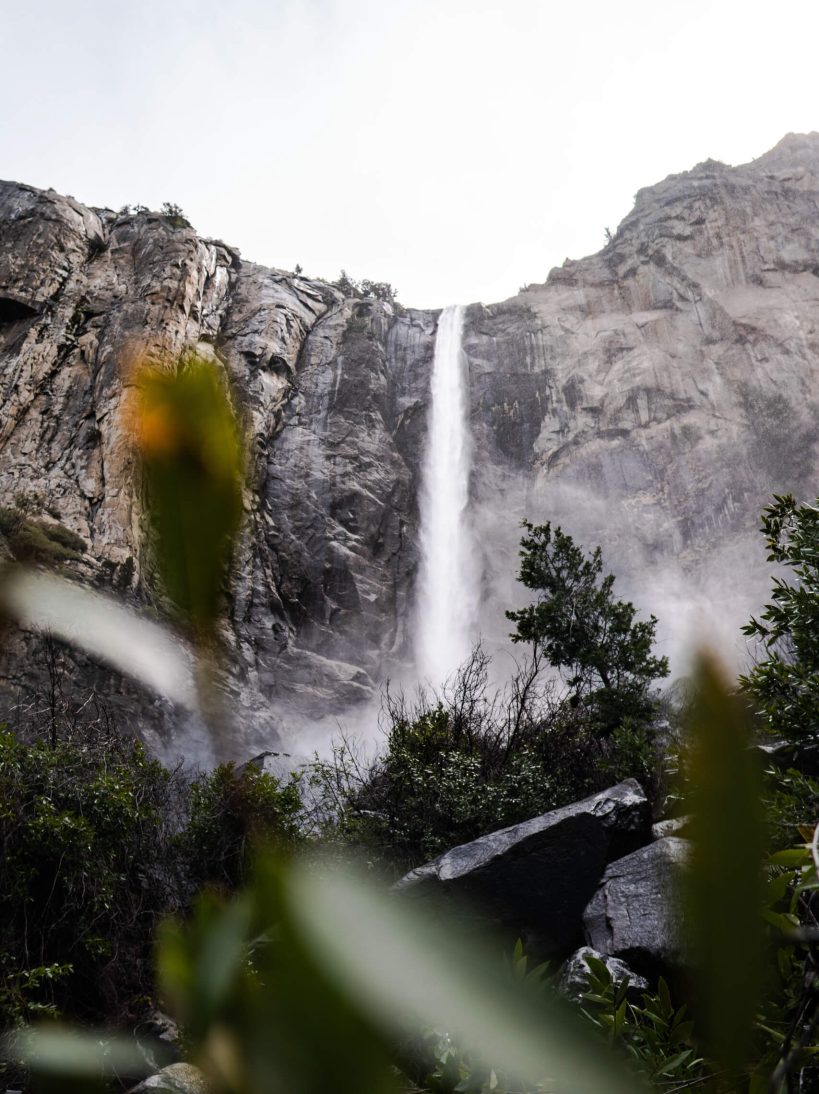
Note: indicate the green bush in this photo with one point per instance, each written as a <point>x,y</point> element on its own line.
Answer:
<point>99,842</point>
<point>784,684</point>
<point>791,800</point>
<point>469,761</point>
<point>657,1036</point>
<point>174,215</point>
<point>365,290</point>
<point>32,540</point>
<point>231,811</point>
<point>85,872</point>
<point>58,533</point>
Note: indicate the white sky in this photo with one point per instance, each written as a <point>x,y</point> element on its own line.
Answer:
<point>456,148</point>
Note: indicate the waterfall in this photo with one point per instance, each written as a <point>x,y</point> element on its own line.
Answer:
<point>448,585</point>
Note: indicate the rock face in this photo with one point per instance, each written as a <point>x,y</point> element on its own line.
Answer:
<point>650,398</point>
<point>635,914</point>
<point>536,877</point>
<point>178,1078</point>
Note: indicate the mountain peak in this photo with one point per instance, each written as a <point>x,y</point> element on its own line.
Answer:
<point>794,150</point>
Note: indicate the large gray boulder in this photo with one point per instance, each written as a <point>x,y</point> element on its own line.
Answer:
<point>636,914</point>
<point>178,1078</point>
<point>536,877</point>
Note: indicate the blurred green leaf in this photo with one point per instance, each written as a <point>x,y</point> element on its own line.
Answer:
<point>337,976</point>
<point>260,1013</point>
<point>75,1054</point>
<point>102,627</point>
<point>723,888</point>
<point>405,974</point>
<point>192,456</point>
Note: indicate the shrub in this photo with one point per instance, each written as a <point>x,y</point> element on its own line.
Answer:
<point>365,290</point>
<point>174,215</point>
<point>232,810</point>
<point>99,842</point>
<point>469,761</point>
<point>784,684</point>
<point>86,869</point>
<point>656,1035</point>
<point>39,541</point>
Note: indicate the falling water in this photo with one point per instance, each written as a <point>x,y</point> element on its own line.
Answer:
<point>447,602</point>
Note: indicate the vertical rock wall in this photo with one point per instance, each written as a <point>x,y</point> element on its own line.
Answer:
<point>650,398</point>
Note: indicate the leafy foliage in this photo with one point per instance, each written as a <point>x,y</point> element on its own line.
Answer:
<point>40,541</point>
<point>99,841</point>
<point>232,811</point>
<point>750,914</point>
<point>85,873</point>
<point>785,683</point>
<point>604,654</point>
<point>174,215</point>
<point>655,1035</point>
<point>790,799</point>
<point>365,290</point>
<point>468,761</point>
<point>310,979</point>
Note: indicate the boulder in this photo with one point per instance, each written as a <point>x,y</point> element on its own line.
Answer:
<point>176,1079</point>
<point>635,915</point>
<point>671,826</point>
<point>801,755</point>
<point>574,976</point>
<point>536,877</point>
<point>158,1039</point>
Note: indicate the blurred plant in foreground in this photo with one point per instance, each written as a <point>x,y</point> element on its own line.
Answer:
<point>192,454</point>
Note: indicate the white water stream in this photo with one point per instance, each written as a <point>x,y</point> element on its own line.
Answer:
<point>448,584</point>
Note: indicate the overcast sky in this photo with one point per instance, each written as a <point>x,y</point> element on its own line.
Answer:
<point>456,148</point>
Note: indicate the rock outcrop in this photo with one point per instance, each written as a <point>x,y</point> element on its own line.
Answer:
<point>637,914</point>
<point>650,398</point>
<point>536,877</point>
<point>180,1078</point>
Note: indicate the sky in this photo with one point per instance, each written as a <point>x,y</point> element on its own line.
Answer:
<point>458,149</point>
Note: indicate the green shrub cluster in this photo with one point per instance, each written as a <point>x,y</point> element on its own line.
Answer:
<point>470,760</point>
<point>98,842</point>
<point>30,540</point>
<point>231,811</point>
<point>365,290</point>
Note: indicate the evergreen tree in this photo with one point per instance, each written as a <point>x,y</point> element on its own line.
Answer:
<point>785,683</point>
<point>602,652</point>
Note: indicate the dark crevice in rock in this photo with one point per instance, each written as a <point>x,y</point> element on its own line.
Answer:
<point>13,311</point>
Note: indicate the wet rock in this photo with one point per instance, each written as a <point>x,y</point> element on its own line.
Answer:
<point>158,1039</point>
<point>671,826</point>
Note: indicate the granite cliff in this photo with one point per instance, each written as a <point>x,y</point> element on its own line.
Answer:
<point>650,397</point>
